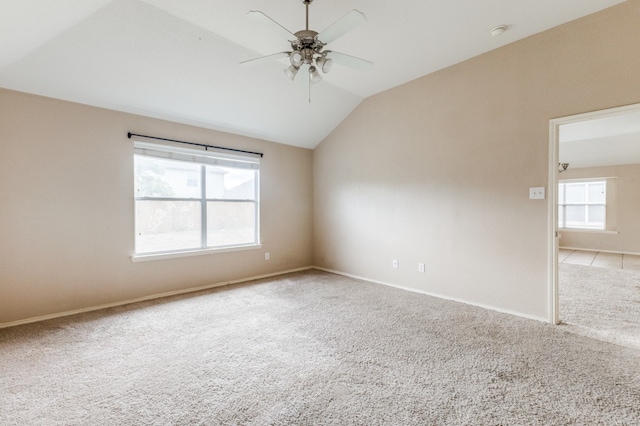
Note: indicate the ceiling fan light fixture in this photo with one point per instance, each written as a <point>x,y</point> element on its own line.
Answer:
<point>296,58</point>
<point>314,75</point>
<point>325,64</point>
<point>291,71</point>
<point>307,46</point>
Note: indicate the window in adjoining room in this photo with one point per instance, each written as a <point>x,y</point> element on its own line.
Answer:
<point>582,204</point>
<point>194,200</point>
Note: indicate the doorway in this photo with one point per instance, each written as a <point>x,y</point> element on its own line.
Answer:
<point>594,196</point>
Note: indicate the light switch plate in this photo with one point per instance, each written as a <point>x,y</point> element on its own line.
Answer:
<point>537,193</point>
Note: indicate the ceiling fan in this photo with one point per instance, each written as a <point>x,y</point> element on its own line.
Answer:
<point>307,46</point>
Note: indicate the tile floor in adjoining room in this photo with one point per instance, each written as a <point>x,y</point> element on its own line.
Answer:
<point>627,262</point>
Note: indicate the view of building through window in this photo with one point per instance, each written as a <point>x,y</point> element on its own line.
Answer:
<point>183,205</point>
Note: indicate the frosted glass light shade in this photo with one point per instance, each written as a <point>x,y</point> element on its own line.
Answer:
<point>314,75</point>
<point>296,58</point>
<point>291,72</point>
<point>325,64</point>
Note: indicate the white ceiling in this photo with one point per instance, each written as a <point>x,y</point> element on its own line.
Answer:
<point>607,141</point>
<point>178,60</point>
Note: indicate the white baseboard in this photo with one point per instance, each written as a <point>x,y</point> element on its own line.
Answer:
<point>222,284</point>
<point>598,250</point>
<point>439,296</point>
<point>146,298</point>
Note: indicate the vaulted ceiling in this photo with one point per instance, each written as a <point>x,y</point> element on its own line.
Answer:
<point>179,60</point>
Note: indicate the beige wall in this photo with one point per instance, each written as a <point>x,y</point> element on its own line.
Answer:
<point>623,207</point>
<point>438,170</point>
<point>67,214</point>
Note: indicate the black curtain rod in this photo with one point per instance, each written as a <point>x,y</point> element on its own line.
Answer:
<point>196,144</point>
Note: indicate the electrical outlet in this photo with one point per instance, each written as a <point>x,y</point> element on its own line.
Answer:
<point>420,267</point>
<point>267,256</point>
<point>395,263</point>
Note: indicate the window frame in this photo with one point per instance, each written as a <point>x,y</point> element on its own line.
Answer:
<point>203,158</point>
<point>562,214</point>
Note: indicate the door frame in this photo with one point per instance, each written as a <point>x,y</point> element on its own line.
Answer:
<point>553,233</point>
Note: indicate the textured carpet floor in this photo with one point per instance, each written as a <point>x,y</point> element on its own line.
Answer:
<point>311,348</point>
<point>601,303</point>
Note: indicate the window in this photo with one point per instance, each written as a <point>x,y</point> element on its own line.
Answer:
<point>188,199</point>
<point>582,204</point>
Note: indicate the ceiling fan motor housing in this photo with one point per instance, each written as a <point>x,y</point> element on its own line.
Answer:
<point>306,37</point>
<point>307,46</point>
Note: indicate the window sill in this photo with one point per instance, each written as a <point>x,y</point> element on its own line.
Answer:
<point>587,231</point>
<point>177,254</point>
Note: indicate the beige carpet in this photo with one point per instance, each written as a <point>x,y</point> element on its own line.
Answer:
<point>601,303</point>
<point>311,348</point>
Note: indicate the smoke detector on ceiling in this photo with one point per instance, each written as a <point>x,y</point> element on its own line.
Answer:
<point>498,30</point>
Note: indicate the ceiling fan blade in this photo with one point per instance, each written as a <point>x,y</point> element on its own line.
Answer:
<point>342,26</point>
<point>349,61</point>
<point>260,17</point>
<point>257,61</point>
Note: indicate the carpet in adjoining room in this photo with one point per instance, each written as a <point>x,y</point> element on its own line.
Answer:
<point>600,303</point>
